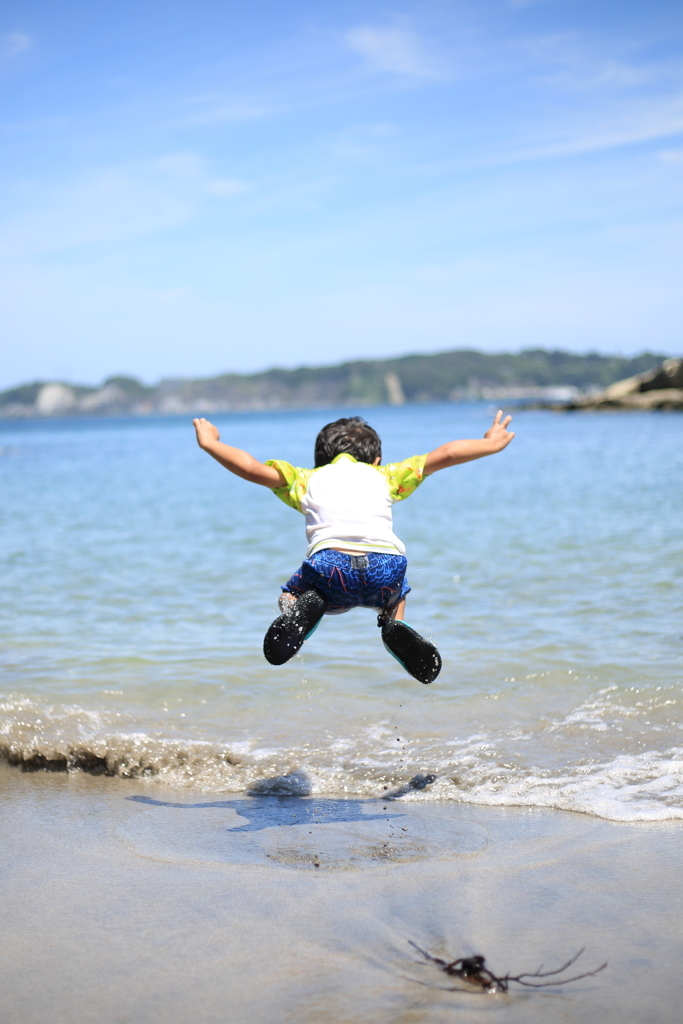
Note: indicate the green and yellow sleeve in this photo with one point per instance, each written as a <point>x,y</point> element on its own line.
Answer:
<point>293,490</point>
<point>404,477</point>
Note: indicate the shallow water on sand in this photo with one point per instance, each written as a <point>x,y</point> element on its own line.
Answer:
<point>139,578</point>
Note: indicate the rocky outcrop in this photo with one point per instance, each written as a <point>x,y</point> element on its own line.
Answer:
<point>109,398</point>
<point>55,400</point>
<point>659,388</point>
<point>118,396</point>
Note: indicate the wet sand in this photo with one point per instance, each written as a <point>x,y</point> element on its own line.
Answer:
<point>119,906</point>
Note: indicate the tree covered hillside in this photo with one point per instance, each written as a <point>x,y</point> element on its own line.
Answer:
<point>445,376</point>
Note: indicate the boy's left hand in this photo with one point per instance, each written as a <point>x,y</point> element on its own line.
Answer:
<point>498,433</point>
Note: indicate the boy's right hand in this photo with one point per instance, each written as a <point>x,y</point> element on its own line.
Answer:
<point>498,433</point>
<point>454,453</point>
<point>206,432</point>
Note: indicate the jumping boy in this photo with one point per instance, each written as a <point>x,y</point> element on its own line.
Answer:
<point>354,558</point>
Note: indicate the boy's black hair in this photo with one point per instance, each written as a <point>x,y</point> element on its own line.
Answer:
<point>352,435</point>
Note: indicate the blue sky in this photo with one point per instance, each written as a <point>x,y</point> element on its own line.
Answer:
<point>190,188</point>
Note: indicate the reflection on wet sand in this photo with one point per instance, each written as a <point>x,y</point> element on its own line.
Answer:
<point>300,832</point>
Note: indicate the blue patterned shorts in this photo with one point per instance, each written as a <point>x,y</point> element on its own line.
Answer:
<point>372,580</point>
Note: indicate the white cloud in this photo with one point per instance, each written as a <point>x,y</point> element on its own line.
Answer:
<point>570,60</point>
<point>644,122</point>
<point>123,202</point>
<point>671,156</point>
<point>393,50</point>
<point>227,187</point>
<point>593,139</point>
<point>33,125</point>
<point>14,43</point>
<point>222,110</point>
<point>363,142</point>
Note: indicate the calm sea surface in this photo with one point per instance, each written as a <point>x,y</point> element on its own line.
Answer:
<point>138,578</point>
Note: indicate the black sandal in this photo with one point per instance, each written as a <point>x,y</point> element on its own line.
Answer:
<point>418,656</point>
<point>287,634</point>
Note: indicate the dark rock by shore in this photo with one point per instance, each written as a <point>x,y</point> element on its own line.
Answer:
<point>659,388</point>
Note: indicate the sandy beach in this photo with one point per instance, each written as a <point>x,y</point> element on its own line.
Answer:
<point>123,903</point>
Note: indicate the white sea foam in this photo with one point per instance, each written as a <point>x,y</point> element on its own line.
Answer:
<point>643,787</point>
<point>647,786</point>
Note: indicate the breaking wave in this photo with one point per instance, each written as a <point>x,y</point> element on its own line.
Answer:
<point>647,786</point>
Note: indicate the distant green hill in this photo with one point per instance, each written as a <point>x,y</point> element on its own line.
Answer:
<point>445,376</point>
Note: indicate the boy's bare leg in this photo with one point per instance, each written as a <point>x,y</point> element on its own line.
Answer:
<point>286,601</point>
<point>399,610</point>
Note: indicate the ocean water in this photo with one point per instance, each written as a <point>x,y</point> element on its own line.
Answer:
<point>138,578</point>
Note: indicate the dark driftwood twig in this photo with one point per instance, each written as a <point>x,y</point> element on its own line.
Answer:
<point>474,971</point>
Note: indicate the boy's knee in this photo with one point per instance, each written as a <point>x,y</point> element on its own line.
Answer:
<point>286,601</point>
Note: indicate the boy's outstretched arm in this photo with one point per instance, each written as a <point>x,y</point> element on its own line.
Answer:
<point>494,440</point>
<point>238,462</point>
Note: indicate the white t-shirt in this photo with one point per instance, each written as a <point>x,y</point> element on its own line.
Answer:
<point>347,503</point>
